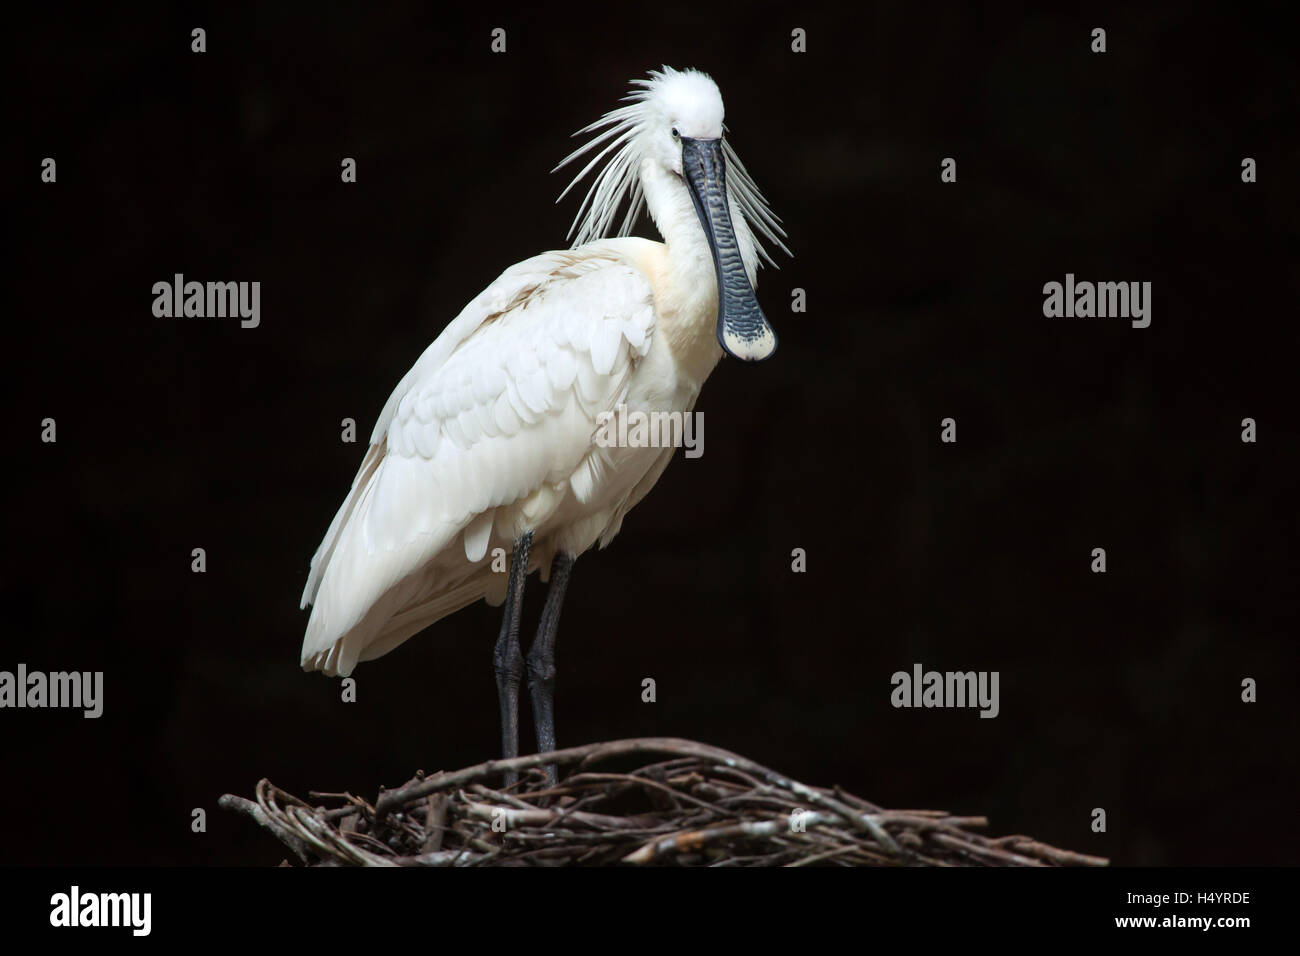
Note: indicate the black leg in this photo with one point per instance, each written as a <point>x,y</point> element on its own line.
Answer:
<point>507,660</point>
<point>541,659</point>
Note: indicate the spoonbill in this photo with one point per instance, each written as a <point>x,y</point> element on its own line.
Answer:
<point>488,442</point>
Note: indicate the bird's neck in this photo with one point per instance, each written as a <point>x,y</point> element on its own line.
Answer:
<point>686,288</point>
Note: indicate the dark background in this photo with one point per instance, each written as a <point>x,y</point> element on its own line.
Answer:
<point>924,301</point>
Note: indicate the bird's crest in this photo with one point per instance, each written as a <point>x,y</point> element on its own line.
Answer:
<point>621,132</point>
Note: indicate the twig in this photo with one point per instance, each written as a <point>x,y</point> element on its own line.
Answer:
<point>692,804</point>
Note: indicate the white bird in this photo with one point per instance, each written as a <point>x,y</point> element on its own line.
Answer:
<point>489,440</point>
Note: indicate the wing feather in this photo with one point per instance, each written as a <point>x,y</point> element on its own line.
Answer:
<point>499,412</point>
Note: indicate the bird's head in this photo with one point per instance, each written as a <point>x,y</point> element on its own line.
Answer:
<point>674,121</point>
<point>685,107</point>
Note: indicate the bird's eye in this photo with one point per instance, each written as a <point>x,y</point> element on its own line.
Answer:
<point>675,133</point>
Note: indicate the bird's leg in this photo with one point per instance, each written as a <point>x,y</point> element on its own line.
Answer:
<point>541,659</point>
<point>507,660</point>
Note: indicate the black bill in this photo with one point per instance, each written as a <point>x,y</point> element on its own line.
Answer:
<point>743,330</point>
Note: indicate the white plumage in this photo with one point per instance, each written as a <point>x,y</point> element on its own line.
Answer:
<point>491,433</point>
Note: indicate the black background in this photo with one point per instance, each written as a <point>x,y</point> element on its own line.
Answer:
<point>924,301</point>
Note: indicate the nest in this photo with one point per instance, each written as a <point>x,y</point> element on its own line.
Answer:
<point>692,805</point>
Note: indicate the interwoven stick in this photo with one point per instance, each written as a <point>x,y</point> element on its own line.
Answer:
<point>702,806</point>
